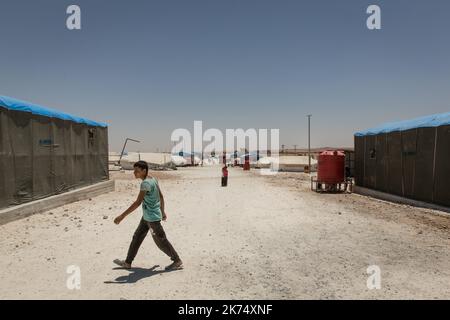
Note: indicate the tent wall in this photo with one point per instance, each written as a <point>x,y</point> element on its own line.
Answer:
<point>381,173</point>
<point>41,156</point>
<point>414,163</point>
<point>423,186</point>
<point>359,160</point>
<point>442,166</point>
<point>394,163</point>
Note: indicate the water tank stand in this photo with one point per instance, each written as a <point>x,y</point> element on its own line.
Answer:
<point>323,187</point>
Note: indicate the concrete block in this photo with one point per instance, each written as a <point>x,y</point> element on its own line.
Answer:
<point>38,206</point>
<point>398,199</point>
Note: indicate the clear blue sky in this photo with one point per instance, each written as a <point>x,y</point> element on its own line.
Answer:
<point>149,67</point>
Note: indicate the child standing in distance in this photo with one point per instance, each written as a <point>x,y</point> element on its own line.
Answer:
<point>152,200</point>
<point>224,176</point>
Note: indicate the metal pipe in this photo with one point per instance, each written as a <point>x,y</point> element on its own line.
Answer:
<point>124,146</point>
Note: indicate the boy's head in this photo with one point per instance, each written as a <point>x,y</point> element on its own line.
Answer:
<point>141,170</point>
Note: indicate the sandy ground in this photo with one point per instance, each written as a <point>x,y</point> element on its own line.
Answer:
<point>260,238</point>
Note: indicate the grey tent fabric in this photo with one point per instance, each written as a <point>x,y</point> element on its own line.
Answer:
<point>413,163</point>
<point>42,156</point>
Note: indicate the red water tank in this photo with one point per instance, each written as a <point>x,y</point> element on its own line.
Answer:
<point>330,167</point>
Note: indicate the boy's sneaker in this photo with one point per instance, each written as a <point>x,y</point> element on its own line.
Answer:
<point>176,265</point>
<point>122,264</point>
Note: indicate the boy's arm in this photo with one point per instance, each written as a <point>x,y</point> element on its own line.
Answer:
<point>133,207</point>
<point>161,200</point>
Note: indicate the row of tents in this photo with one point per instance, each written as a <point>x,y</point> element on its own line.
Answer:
<point>45,152</point>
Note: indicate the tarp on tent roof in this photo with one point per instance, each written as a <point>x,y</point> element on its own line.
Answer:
<point>18,105</point>
<point>434,120</point>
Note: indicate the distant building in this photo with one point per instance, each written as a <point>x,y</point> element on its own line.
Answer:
<point>44,152</point>
<point>407,158</point>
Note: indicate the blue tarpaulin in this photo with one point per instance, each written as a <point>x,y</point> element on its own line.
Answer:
<point>434,120</point>
<point>17,105</point>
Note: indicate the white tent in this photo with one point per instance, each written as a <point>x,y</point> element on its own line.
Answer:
<point>178,161</point>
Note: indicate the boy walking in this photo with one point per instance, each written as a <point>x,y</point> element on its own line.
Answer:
<point>152,200</point>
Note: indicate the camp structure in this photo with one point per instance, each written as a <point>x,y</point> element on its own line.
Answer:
<point>409,158</point>
<point>44,152</point>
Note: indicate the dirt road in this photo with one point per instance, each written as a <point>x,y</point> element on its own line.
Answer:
<point>260,238</point>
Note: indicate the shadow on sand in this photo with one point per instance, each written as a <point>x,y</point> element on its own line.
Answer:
<point>137,274</point>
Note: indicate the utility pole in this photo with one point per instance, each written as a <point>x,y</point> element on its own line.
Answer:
<point>309,141</point>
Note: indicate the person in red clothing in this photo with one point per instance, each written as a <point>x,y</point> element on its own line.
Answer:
<point>224,176</point>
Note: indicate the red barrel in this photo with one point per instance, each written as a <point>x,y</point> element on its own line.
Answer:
<point>330,167</point>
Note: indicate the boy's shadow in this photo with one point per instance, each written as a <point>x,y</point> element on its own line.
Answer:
<point>137,274</point>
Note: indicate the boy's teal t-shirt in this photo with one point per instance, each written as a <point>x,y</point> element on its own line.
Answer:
<point>151,206</point>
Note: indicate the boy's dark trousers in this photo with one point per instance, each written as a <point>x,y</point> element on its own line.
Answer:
<point>159,236</point>
<point>224,181</point>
